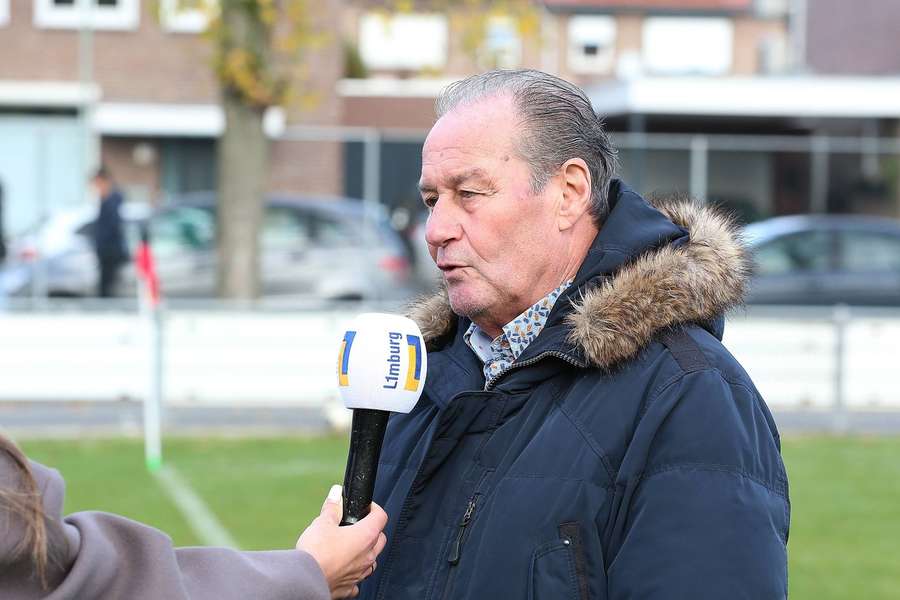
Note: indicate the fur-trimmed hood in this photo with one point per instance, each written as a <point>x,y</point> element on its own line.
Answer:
<point>614,316</point>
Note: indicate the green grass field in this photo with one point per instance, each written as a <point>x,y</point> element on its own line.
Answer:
<point>845,493</point>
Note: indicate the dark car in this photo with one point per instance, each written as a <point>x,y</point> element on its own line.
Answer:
<point>825,260</point>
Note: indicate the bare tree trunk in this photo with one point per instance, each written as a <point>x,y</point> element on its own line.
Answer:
<point>243,158</point>
<point>243,168</point>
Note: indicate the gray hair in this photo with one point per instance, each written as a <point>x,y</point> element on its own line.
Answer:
<point>557,123</point>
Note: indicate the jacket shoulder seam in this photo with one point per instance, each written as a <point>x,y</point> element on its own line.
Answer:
<point>704,466</point>
<point>677,377</point>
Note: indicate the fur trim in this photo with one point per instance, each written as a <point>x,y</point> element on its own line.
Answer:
<point>697,282</point>
<point>613,321</point>
<point>434,316</point>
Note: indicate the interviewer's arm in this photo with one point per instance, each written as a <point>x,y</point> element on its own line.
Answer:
<point>105,556</point>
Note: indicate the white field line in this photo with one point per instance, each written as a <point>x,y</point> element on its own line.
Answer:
<point>196,512</point>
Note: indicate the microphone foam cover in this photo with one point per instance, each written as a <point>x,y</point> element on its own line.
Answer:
<point>381,363</point>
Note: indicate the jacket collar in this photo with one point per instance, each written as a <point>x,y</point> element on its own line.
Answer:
<point>652,266</point>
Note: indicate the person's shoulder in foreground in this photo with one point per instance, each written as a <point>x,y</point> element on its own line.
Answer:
<point>623,453</point>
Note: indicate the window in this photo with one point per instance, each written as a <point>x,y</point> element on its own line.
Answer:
<point>4,12</point>
<point>863,252</point>
<point>806,252</point>
<point>592,42</point>
<point>332,233</point>
<point>502,47</point>
<point>186,16</point>
<point>183,231</point>
<point>97,14</point>
<point>413,41</point>
<point>282,229</point>
<point>687,46</point>
<point>772,8</point>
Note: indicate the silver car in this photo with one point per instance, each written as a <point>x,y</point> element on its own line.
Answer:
<point>310,248</point>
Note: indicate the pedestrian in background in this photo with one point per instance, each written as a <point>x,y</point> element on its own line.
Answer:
<point>109,239</point>
<point>2,239</point>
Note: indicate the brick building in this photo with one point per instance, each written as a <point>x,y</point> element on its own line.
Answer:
<point>695,82</point>
<point>590,42</point>
<point>130,83</point>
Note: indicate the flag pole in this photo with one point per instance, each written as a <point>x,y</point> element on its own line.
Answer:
<point>149,302</point>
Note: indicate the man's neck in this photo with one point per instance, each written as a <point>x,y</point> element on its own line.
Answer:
<point>494,326</point>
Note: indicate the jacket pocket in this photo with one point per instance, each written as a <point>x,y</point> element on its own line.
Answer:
<point>558,568</point>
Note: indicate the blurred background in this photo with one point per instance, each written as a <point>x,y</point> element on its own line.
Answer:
<point>277,182</point>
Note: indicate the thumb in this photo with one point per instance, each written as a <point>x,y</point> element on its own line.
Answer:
<point>332,507</point>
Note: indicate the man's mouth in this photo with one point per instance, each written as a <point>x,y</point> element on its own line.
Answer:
<point>448,267</point>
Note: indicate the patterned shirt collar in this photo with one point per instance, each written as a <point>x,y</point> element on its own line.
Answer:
<point>498,354</point>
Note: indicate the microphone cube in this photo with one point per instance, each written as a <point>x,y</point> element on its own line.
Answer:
<point>382,363</point>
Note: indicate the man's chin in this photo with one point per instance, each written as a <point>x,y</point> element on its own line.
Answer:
<point>463,299</point>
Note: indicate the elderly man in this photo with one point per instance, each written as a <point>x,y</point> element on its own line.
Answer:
<point>583,433</point>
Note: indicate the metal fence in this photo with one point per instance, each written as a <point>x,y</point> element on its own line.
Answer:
<point>758,175</point>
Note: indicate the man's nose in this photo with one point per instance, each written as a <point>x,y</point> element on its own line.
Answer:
<point>442,226</point>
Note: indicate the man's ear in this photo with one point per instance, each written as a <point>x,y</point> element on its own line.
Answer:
<point>576,192</point>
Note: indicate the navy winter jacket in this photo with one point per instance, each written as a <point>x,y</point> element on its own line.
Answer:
<point>109,238</point>
<point>625,454</point>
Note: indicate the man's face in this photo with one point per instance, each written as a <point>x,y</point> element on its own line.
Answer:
<point>490,235</point>
<point>100,187</point>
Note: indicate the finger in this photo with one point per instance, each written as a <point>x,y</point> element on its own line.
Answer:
<point>339,593</point>
<point>375,521</point>
<point>379,545</point>
<point>355,592</point>
<point>376,508</point>
<point>332,507</point>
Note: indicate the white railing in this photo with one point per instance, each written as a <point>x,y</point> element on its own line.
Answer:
<point>817,359</point>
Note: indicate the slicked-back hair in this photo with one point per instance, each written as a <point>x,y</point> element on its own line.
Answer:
<point>556,123</point>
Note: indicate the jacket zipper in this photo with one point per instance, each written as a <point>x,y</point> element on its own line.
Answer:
<point>456,549</point>
<point>381,591</point>
<point>532,361</point>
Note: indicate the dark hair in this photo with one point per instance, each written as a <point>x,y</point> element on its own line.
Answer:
<point>102,172</point>
<point>26,504</point>
<point>557,120</point>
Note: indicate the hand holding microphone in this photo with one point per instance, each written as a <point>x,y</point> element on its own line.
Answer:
<point>381,369</point>
<point>346,555</point>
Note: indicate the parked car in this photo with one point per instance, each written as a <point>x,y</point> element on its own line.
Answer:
<point>824,260</point>
<point>310,247</point>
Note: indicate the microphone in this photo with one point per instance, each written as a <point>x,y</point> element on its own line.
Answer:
<point>381,369</point>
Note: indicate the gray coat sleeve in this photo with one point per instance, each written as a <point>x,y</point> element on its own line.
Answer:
<point>104,556</point>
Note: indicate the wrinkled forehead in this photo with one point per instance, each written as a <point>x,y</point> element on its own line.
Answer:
<point>489,123</point>
<point>475,137</point>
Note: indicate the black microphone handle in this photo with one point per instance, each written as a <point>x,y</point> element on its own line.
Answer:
<point>366,437</point>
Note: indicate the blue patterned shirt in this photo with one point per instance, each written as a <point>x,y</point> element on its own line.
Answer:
<point>501,352</point>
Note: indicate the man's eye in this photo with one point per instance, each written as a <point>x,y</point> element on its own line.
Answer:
<point>430,201</point>
<point>468,193</point>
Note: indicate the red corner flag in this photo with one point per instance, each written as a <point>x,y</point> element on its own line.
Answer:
<point>146,268</point>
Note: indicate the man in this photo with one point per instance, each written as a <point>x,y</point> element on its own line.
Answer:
<point>583,433</point>
<point>109,240</point>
